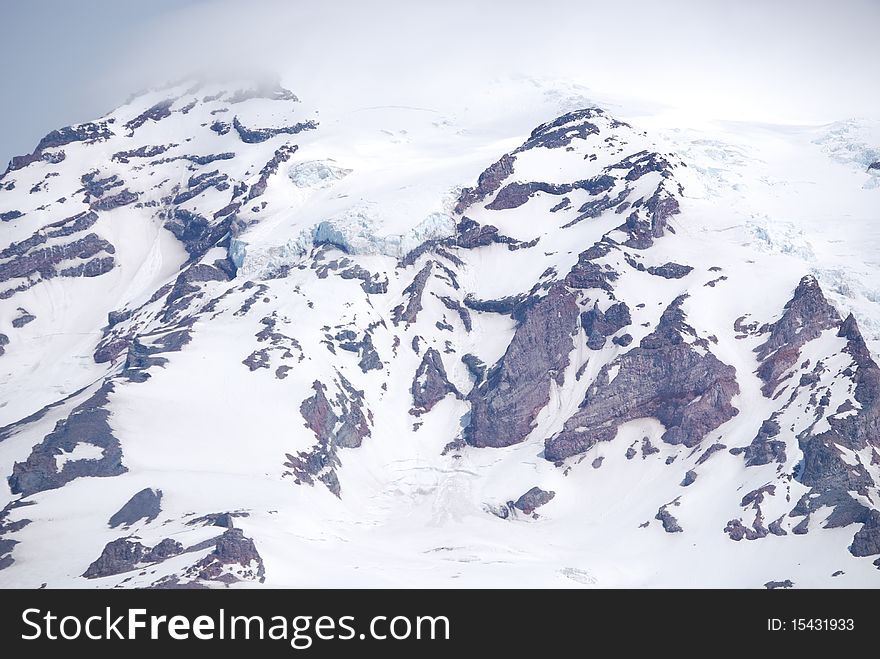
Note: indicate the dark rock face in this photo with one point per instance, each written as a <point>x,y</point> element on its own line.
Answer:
<point>197,184</point>
<point>664,378</point>
<point>164,550</point>
<point>598,325</point>
<point>561,131</point>
<point>10,215</point>
<point>114,201</point>
<point>341,426</point>
<point>773,585</point>
<point>709,452</point>
<point>370,360</point>
<point>257,135</point>
<point>234,552</point>
<point>23,318</point>
<point>410,311</point>
<point>504,407</point>
<point>4,341</point>
<point>806,316</point>
<point>470,235</point>
<point>764,449</point>
<point>159,111</point>
<point>463,314</point>
<point>504,306</point>
<point>282,154</point>
<point>832,479</point>
<point>476,367</point>
<point>146,504</point>
<point>874,165</point>
<point>670,270</point>
<point>88,132</point>
<point>670,524</point>
<point>595,207</point>
<point>370,283</point>
<point>533,499</point>
<point>223,520</point>
<point>118,556</point>
<point>514,195</point>
<point>487,183</point>
<point>430,384</point>
<point>689,478</point>
<point>126,554</point>
<point>867,541</point>
<point>86,424</point>
<point>140,152</point>
<point>643,229</point>
<point>586,273</point>
<point>33,265</point>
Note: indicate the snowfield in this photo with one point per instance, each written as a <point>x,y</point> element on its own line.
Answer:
<point>340,346</point>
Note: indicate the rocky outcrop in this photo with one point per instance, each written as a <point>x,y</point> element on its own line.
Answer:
<point>430,384</point>
<point>805,317</point>
<point>118,556</point>
<point>561,131</point>
<point>409,312</point>
<point>867,541</point>
<point>533,499</point>
<point>588,273</point>
<point>773,585</point>
<point>8,216</point>
<point>487,183</point>
<point>123,198</point>
<point>87,424</point>
<point>159,111</point>
<point>599,325</point>
<point>667,378</point>
<point>87,132</point>
<point>146,151</point>
<point>23,318</point>
<point>282,154</point>
<point>514,195</point>
<point>25,262</point>
<point>669,522</point>
<point>764,449</point>
<point>127,554</point>
<point>257,135</point>
<point>670,270</point>
<point>339,425</point>
<point>649,222</point>
<point>235,558</point>
<point>145,505</point>
<point>504,406</point>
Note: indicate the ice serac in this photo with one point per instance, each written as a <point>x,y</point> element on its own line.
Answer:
<point>504,406</point>
<point>671,376</point>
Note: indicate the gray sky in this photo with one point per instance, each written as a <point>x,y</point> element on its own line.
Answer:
<point>799,60</point>
<point>59,57</point>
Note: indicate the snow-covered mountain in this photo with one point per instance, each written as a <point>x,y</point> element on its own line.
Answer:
<point>246,340</point>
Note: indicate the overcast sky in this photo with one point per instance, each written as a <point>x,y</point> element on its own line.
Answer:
<point>797,61</point>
